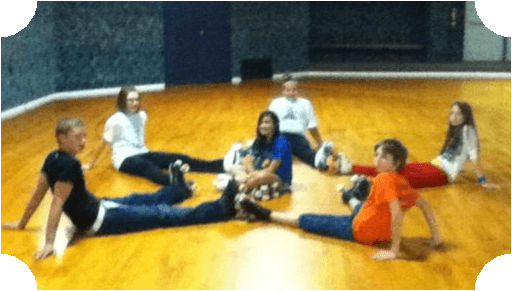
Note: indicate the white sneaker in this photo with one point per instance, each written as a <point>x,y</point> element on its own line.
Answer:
<point>232,158</point>
<point>344,164</point>
<point>221,182</point>
<point>323,154</point>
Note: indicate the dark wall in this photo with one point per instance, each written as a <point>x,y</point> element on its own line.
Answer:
<point>89,45</point>
<point>197,46</point>
<point>83,45</point>
<point>29,66</point>
<point>275,30</point>
<point>446,31</point>
<point>104,44</point>
<point>357,32</point>
<point>368,22</point>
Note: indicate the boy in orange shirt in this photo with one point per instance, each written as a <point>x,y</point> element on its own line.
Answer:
<point>378,220</point>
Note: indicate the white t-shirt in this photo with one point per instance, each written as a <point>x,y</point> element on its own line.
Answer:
<point>126,133</point>
<point>295,115</point>
<point>468,150</point>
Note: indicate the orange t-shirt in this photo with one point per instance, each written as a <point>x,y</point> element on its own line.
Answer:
<point>373,222</point>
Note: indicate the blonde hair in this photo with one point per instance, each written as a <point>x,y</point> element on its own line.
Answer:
<point>65,125</point>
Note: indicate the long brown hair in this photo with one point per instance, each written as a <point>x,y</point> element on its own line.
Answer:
<point>468,119</point>
<point>121,97</point>
<point>260,139</point>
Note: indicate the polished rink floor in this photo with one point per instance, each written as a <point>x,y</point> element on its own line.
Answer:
<point>204,121</point>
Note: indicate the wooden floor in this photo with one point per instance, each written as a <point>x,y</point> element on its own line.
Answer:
<point>204,121</point>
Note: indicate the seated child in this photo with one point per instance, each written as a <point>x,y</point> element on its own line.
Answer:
<point>62,173</point>
<point>377,220</point>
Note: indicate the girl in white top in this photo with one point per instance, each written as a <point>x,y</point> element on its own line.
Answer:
<point>461,145</point>
<point>125,133</point>
<point>296,116</point>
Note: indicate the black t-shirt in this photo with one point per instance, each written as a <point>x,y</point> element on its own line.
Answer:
<point>81,206</point>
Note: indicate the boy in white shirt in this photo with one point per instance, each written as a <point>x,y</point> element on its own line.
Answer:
<point>296,115</point>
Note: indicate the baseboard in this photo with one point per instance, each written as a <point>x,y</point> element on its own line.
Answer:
<point>388,75</point>
<point>397,75</point>
<point>73,95</point>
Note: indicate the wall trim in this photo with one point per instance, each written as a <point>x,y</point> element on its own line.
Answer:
<point>74,95</point>
<point>396,75</point>
<point>95,93</point>
<point>389,75</point>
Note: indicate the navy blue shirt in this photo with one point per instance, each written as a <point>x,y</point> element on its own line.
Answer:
<point>279,150</point>
<point>81,206</point>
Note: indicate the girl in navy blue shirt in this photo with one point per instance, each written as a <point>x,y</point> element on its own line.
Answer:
<point>270,158</point>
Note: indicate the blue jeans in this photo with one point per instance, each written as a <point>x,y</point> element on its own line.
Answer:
<point>332,225</point>
<point>301,148</point>
<point>139,212</point>
<point>150,165</point>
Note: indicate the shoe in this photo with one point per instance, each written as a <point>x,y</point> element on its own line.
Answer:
<point>344,164</point>
<point>323,154</point>
<point>221,182</point>
<point>227,198</point>
<point>177,177</point>
<point>174,169</point>
<point>241,214</point>
<point>274,190</point>
<point>191,186</point>
<point>233,157</point>
<point>253,208</point>
<point>345,195</point>
<point>361,188</point>
<point>257,194</point>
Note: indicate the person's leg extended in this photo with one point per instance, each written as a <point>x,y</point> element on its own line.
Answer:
<point>163,160</point>
<point>301,149</point>
<point>141,166</point>
<point>170,195</point>
<point>132,218</point>
<point>423,175</point>
<point>332,225</point>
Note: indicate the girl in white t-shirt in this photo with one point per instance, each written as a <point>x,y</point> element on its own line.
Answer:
<point>461,144</point>
<point>125,134</point>
<point>297,116</point>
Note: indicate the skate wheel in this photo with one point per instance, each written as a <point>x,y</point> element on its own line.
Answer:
<point>184,168</point>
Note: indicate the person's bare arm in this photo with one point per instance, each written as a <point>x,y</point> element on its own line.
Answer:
<point>248,164</point>
<point>397,216</point>
<point>274,165</point>
<point>60,195</point>
<point>431,220</point>
<point>479,173</point>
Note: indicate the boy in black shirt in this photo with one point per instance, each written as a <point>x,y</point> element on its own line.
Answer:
<point>62,173</point>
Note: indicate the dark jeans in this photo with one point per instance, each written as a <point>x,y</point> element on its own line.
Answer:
<point>301,148</point>
<point>140,211</point>
<point>150,165</point>
<point>332,225</point>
